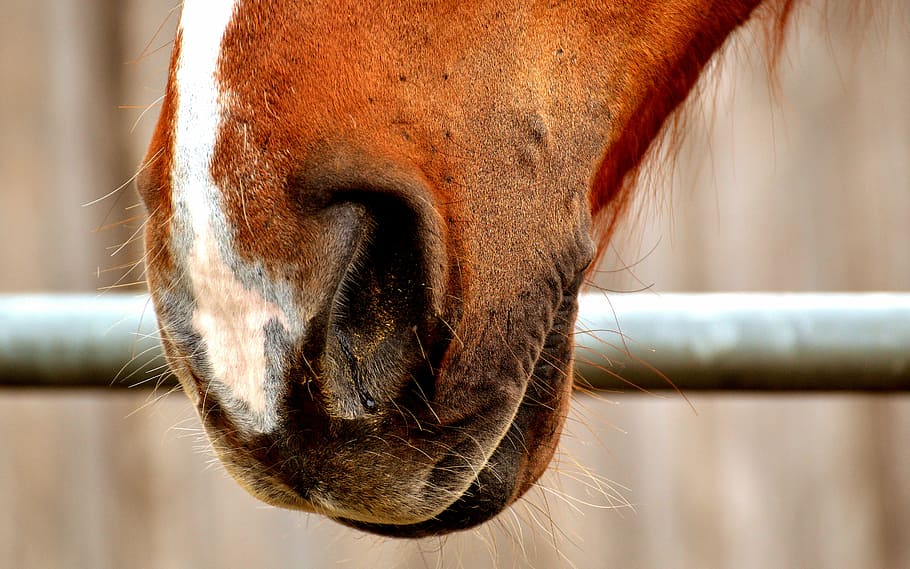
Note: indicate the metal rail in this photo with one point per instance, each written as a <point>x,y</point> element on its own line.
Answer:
<point>765,342</point>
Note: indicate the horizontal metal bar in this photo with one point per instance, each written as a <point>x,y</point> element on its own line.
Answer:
<point>858,342</point>
<point>855,342</point>
<point>73,340</point>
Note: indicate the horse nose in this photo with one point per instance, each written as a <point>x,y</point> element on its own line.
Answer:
<point>379,328</point>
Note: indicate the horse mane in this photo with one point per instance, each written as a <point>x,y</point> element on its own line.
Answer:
<point>649,148</point>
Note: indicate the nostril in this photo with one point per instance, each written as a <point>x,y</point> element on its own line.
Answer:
<point>374,254</point>
<point>379,313</point>
<point>383,285</point>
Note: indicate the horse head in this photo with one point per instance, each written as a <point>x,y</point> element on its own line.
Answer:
<point>368,226</point>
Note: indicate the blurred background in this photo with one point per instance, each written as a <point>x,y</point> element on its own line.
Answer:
<point>800,187</point>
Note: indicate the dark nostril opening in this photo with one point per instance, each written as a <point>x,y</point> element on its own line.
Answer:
<point>383,297</point>
<point>379,322</point>
<point>383,283</point>
<point>380,262</point>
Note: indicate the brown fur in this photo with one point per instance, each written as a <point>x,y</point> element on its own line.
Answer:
<point>425,176</point>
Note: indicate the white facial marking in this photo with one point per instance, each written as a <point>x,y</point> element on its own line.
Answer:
<point>229,317</point>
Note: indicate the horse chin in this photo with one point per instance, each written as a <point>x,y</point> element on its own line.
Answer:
<point>522,455</point>
<point>492,491</point>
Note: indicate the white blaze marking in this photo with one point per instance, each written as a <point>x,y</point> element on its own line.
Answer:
<point>229,317</point>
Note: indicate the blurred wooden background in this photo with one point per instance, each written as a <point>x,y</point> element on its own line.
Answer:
<point>810,192</point>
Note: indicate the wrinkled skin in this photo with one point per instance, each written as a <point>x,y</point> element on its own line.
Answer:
<point>374,317</point>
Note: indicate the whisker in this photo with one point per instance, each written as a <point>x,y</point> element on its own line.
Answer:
<point>132,179</point>
<point>145,110</point>
<point>145,50</point>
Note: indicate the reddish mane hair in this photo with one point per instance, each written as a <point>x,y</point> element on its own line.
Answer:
<point>662,119</point>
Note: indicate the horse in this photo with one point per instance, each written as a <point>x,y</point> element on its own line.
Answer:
<point>368,225</point>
